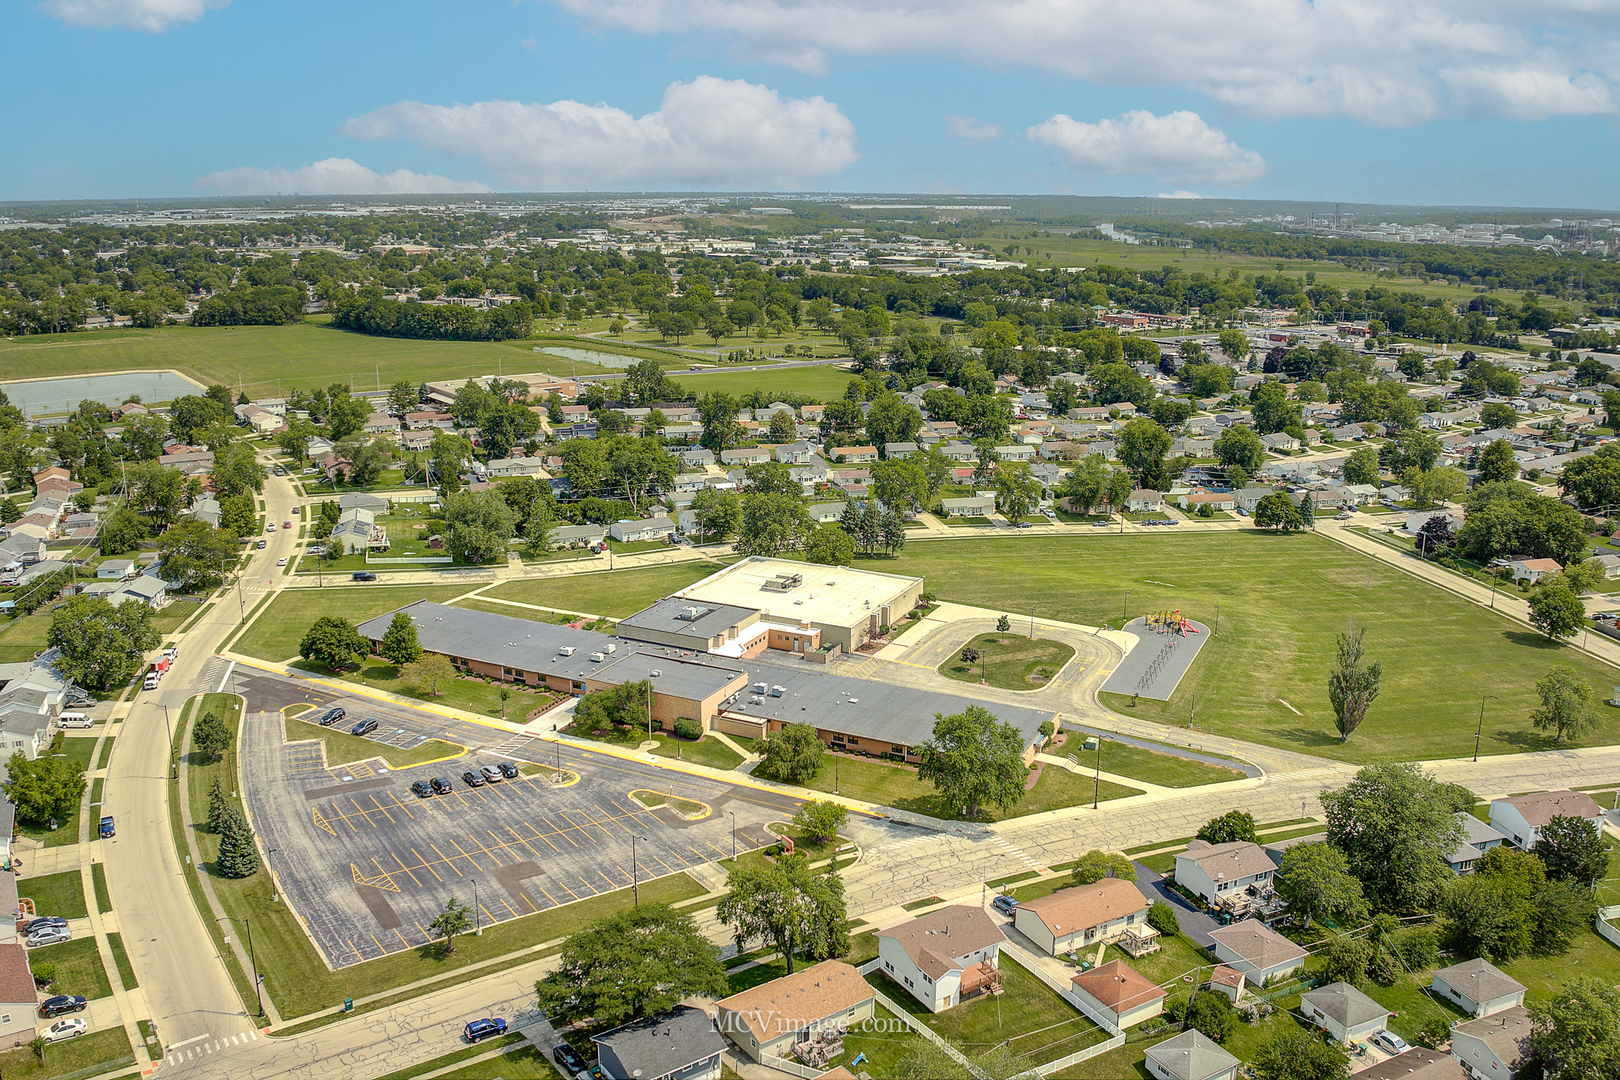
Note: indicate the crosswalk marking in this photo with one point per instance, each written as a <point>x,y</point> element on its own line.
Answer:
<point>177,1056</point>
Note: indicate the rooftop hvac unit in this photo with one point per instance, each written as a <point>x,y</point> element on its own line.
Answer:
<point>655,672</point>
<point>778,691</point>
<point>610,647</point>
<point>566,650</point>
<point>759,688</point>
<point>597,658</point>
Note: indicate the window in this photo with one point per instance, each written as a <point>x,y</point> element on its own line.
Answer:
<point>5,1018</point>
<point>853,741</point>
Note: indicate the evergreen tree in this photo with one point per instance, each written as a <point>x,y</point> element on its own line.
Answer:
<point>218,808</point>
<point>238,857</point>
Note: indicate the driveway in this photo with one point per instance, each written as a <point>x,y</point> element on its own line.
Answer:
<point>1194,923</point>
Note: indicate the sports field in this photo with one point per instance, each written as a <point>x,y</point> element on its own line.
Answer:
<point>1282,601</point>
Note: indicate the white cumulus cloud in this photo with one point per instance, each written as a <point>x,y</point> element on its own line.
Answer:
<point>334,176</point>
<point>149,15</point>
<point>1385,62</point>
<point>968,129</point>
<point>1182,194</point>
<point>1178,148</point>
<point>709,132</point>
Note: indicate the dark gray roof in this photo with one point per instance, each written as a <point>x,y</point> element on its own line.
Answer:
<point>665,1043</point>
<point>1191,1056</point>
<point>696,619</point>
<point>1345,1004</point>
<point>535,646</point>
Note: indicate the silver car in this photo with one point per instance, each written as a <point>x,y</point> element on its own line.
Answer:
<point>492,773</point>
<point>1388,1041</point>
<point>49,935</point>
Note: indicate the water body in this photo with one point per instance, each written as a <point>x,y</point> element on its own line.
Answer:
<point>1108,230</point>
<point>592,356</point>
<point>37,396</point>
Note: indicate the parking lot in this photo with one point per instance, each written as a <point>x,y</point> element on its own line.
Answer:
<point>368,865</point>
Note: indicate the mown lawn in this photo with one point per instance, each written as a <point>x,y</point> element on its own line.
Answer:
<point>461,692</point>
<point>1009,661</point>
<point>1166,770</point>
<point>898,786</point>
<point>61,895</point>
<point>98,1051</point>
<point>614,593</point>
<point>77,751</point>
<point>341,747</point>
<point>1282,601</point>
<point>276,633</point>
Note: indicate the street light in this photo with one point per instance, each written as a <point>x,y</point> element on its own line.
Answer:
<point>252,958</point>
<point>635,885</point>
<point>478,926</point>
<point>1481,727</point>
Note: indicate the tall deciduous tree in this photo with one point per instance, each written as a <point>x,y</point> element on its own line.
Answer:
<point>333,642</point>
<point>1291,1054</point>
<point>101,643</point>
<point>1353,684</point>
<point>45,788</point>
<point>456,918</point>
<point>799,911</point>
<point>1576,1033</point>
<point>196,555</point>
<point>974,760</point>
<point>212,736</point>
<point>429,675</point>
<point>1278,512</point>
<point>1556,611</point>
<point>792,755</point>
<point>1230,826</point>
<point>1316,881</point>
<point>631,964</point>
<point>1394,823</point>
<point>1095,865</point>
<point>1572,850</point>
<point>1566,704</point>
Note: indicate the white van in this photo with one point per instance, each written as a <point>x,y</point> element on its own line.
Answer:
<point>151,681</point>
<point>74,720</point>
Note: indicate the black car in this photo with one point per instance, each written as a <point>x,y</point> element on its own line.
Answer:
<point>62,1003</point>
<point>509,770</point>
<point>422,789</point>
<point>364,727</point>
<point>330,717</point>
<point>473,778</point>
<point>442,785</point>
<point>568,1059</point>
<point>364,575</point>
<point>49,921</point>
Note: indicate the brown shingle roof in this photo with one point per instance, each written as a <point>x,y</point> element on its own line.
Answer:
<point>16,980</point>
<point>803,998</point>
<point>1542,808</point>
<point>1416,1064</point>
<point>934,940</point>
<point>1228,862</point>
<point>1257,943</point>
<point>1118,986</point>
<point>1083,906</point>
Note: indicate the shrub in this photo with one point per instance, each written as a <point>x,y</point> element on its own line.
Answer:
<point>688,729</point>
<point>1418,949</point>
<point>1162,917</point>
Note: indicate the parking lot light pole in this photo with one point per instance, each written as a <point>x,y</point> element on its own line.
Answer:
<point>733,814</point>
<point>269,851</point>
<point>635,883</point>
<point>478,925</point>
<point>258,993</point>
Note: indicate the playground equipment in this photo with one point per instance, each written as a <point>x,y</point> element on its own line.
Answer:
<point>1169,622</point>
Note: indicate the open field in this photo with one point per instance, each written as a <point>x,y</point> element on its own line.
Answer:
<point>276,633</point>
<point>1282,601</point>
<point>898,786</point>
<point>1009,661</point>
<point>615,593</point>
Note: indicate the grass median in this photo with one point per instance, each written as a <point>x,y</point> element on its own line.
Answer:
<point>897,786</point>
<point>341,747</point>
<point>1009,661</point>
<point>126,970</point>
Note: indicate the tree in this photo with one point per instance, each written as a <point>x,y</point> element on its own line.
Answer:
<point>830,545</point>
<point>1345,960</point>
<point>101,643</point>
<point>792,755</point>
<point>1316,881</point>
<point>238,854</point>
<point>821,819</point>
<point>631,964</point>
<point>195,555</point>
<point>1278,512</point>
<point>1095,865</point>
<point>1017,491</point>
<point>974,759</point>
<point>217,806</point>
<point>121,531</point>
<point>784,428</point>
<point>429,675</point>
<point>1271,409</point>
<point>772,524</point>
<point>785,903</point>
<point>891,420</point>
<point>1234,344</point>
<point>456,918</point>
<point>1141,445</point>
<point>402,398</point>
<point>211,737</point>
<point>1361,467</point>
<point>1566,700</point>
<point>333,642</point>
<point>1436,534</point>
<point>1162,917</point>
<point>237,469</point>
<point>1556,611</point>
<point>1497,463</point>
<point>1289,1053</point>
<point>400,645</point>
<point>1230,826</point>
<point>1206,1011</point>
<point>43,789</point>
<point>1085,483</point>
<point>1576,1033</point>
<point>624,705</point>
<point>480,524</point>
<point>1572,850</point>
<point>1352,685</point>
<point>1394,824</point>
<point>718,513</point>
<point>1240,447</point>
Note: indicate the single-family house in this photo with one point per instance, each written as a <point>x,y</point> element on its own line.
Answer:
<point>1610,564</point>
<point>899,449</point>
<point>957,451</point>
<point>362,500</point>
<point>115,569</point>
<point>853,455</point>
<point>148,589</point>
<point>1217,500</point>
<point>745,455</point>
<point>22,549</point>
<point>769,1019</point>
<point>1532,570</point>
<point>571,536</point>
<point>1256,950</point>
<point>1344,1012</point>
<point>1120,991</point>
<point>1478,987</point>
<point>1247,498</point>
<point>1017,452</point>
<point>944,957</point>
<point>681,1044</point>
<point>519,466</point>
<point>356,532</point>
<point>1280,442</point>
<point>1209,871</point>
<point>1417,1063</point>
<point>968,506</point>
<point>32,693</point>
<point>631,532</point>
<point>796,453</point>
<point>822,513</point>
<point>1478,838</point>
<point>697,457</point>
<point>1145,501</point>
<point>19,999</point>
<point>1082,915</point>
<point>380,424</point>
<point>1493,1047</point>
<point>416,441</point>
<point>442,421</point>
<point>1192,1055</point>
<point>1520,818</point>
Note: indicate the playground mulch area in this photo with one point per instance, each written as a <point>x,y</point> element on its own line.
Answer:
<point>1162,656</point>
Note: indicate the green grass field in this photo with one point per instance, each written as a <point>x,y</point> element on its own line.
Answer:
<point>78,967</point>
<point>99,1051</point>
<point>1166,770</point>
<point>275,634</point>
<point>1282,601</point>
<point>1009,661</point>
<point>616,593</point>
<point>462,692</point>
<point>341,747</point>
<point>77,751</point>
<point>898,786</point>
<point>61,895</point>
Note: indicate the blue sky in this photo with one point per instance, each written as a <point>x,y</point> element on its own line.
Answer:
<point>1441,102</point>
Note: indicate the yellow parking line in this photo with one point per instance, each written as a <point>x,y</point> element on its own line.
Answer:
<point>548,896</point>
<point>401,937</point>
<point>664,864</point>
<point>464,853</point>
<point>564,884</point>
<point>384,811</point>
<point>363,813</point>
<point>509,907</point>
<point>485,910</point>
<point>407,870</point>
<point>538,836</point>
<point>610,818</point>
<point>520,840</point>
<point>447,860</point>
<point>594,890</point>
<point>425,865</point>
<point>403,809</point>
<point>556,831</point>
<point>377,943</point>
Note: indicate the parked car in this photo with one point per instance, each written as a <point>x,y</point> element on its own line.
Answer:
<point>1023,525</point>
<point>509,770</point>
<point>1101,524</point>
<point>63,1030</point>
<point>286,524</point>
<point>330,717</point>
<point>1388,1041</point>
<point>422,789</point>
<point>479,1030</point>
<point>61,1004</point>
<point>282,561</point>
<point>492,773</point>
<point>259,545</point>
<point>297,510</point>
<point>108,829</point>
<point>1005,904</point>
<point>473,778</point>
<point>270,526</point>
<point>1343,515</point>
<point>442,785</point>
<point>363,575</point>
<point>43,923</point>
<point>279,471</point>
<point>364,727</point>
<point>51,935</point>
<point>569,1060</point>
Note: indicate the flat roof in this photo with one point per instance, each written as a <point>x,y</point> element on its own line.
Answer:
<point>689,618</point>
<point>834,595</point>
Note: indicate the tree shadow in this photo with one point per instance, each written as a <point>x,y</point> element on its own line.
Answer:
<point>1528,740</point>
<point>1532,640</point>
<point>1307,737</point>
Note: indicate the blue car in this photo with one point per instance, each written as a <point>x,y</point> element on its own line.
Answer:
<point>1005,904</point>
<point>479,1030</point>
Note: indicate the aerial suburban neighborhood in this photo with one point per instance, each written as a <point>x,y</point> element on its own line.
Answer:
<point>638,574</point>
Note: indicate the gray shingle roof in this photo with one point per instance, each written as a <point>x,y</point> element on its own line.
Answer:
<point>1191,1056</point>
<point>1480,980</point>
<point>664,1044</point>
<point>1345,1005</point>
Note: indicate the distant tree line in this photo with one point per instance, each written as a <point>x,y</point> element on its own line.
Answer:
<point>435,322</point>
